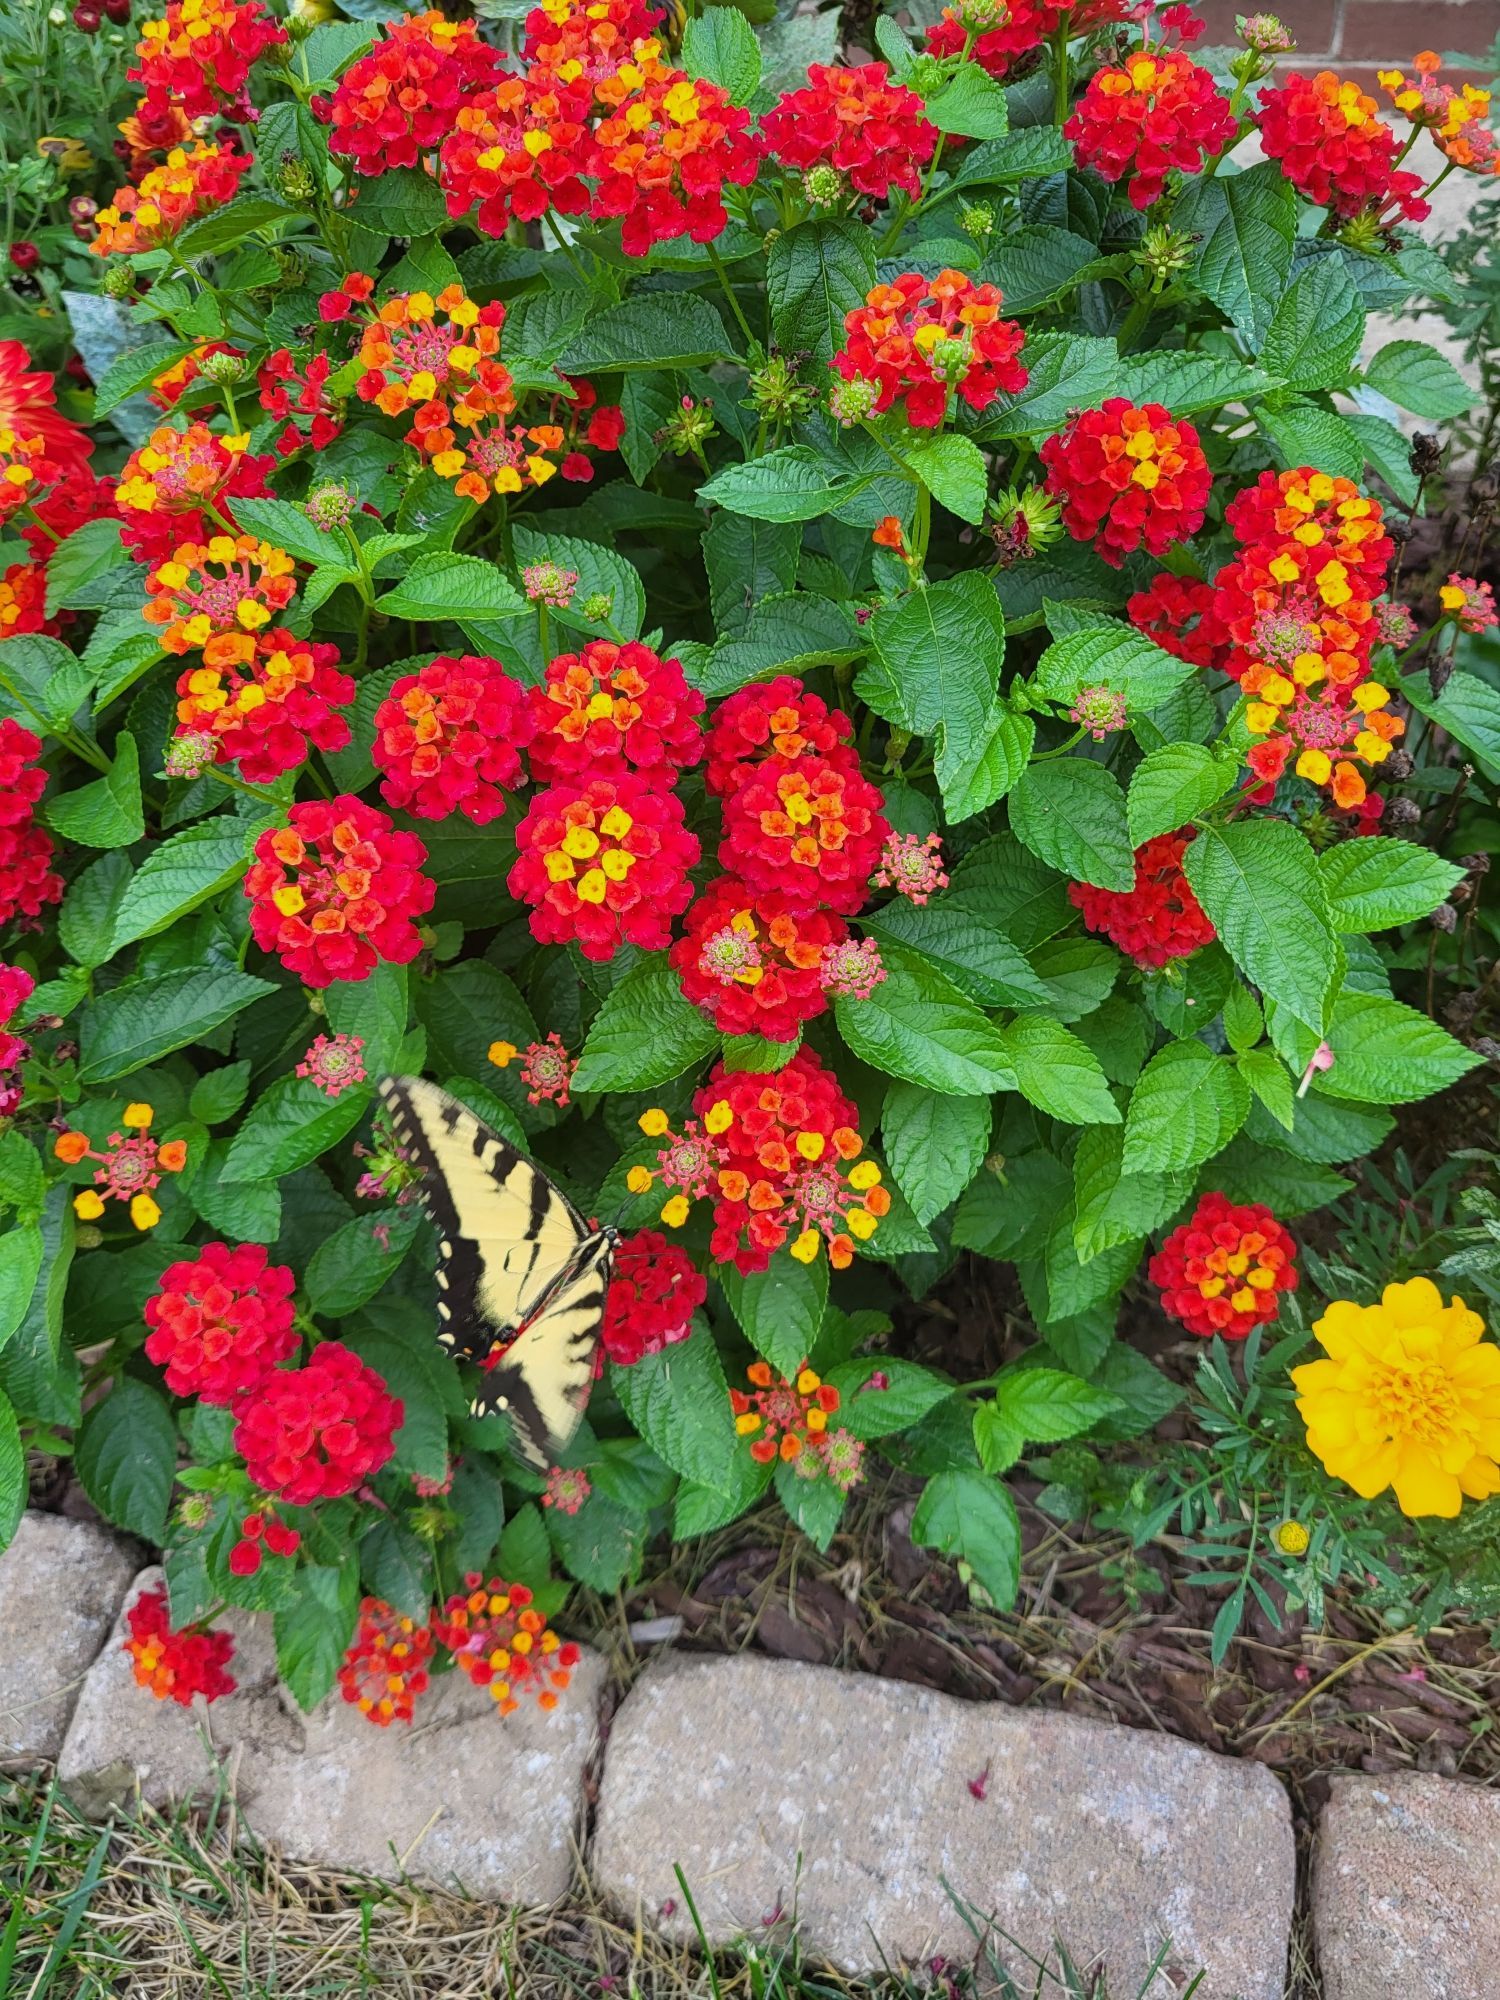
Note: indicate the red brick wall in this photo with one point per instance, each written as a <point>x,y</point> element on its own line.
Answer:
<point>1357,37</point>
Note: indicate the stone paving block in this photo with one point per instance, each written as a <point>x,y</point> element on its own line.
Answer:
<point>61,1583</point>
<point>1108,1839</point>
<point>463,1798</point>
<point>1406,1889</point>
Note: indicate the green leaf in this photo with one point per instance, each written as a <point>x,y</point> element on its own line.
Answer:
<point>746,562</point>
<point>395,1565</point>
<point>464,1009</point>
<point>1316,329</point>
<point>1058,1073</point>
<point>20,1267</point>
<point>815,1505</point>
<point>979,960</point>
<point>788,633</point>
<point>1387,1053</point>
<point>601,573</point>
<point>220,1094</point>
<point>179,875</point>
<point>953,470</point>
<point>289,1125</point>
<point>1111,1207</point>
<point>935,1144</point>
<point>816,272</point>
<point>402,201</point>
<point>1468,708</point>
<point>313,1631</point>
<point>1035,153</point>
<point>1065,371</point>
<point>451,586</point>
<point>355,1262</point>
<point>1417,378</point>
<point>1188,383</point>
<point>973,773</point>
<point>780,1308</point>
<point>938,655</point>
<point>1033,265</point>
<point>1172,786</point>
<point>1250,1171</point>
<point>649,331</point>
<point>1244,1022</point>
<point>678,1401</point>
<point>37,1371</point>
<point>90,552</point>
<point>721,46</point>
<point>1258,881</point>
<point>107,813</point>
<point>1071,814</point>
<point>1107,653</point>
<point>86,922</point>
<point>1188,1103</point>
<point>232,223</point>
<point>375,1010</point>
<point>1040,1406</point>
<point>917,1026</point>
<point>1245,224</point>
<point>1269,1078</point>
<point>22,1184</point>
<point>247,1210</point>
<point>285,526</point>
<point>422,1379</point>
<point>795,483</point>
<point>125,1458</point>
<point>134,1024</point>
<point>645,1033</point>
<point>1011,890</point>
<point>1304,434</point>
<point>1374,883</point>
<point>870,1411</point>
<point>13,1484</point>
<point>523,1552</point>
<point>970,105</point>
<point>971,1517</point>
<point>601,1544</point>
<point>136,369</point>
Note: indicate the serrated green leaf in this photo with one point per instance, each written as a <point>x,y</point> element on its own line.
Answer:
<point>645,1033</point>
<point>1258,881</point>
<point>721,46</point>
<point>1376,882</point>
<point>1172,786</point>
<point>817,272</point>
<point>1071,814</point>
<point>452,586</point>
<point>1244,225</point>
<point>289,1125</point>
<point>1111,1207</point>
<point>1188,1104</point>
<point>107,813</point>
<point>649,331</point>
<point>126,1454</point>
<point>678,1401</point>
<point>1058,1073</point>
<point>179,875</point>
<point>971,1517</point>
<point>917,1026</point>
<point>780,1309</point>
<point>135,1024</point>
<point>935,1144</point>
<point>1417,378</point>
<point>1316,329</point>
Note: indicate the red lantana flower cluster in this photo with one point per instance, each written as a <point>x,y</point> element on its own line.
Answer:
<point>1222,1271</point>
<point>771,1151</point>
<point>23,601</point>
<point>197,57</point>
<point>1128,477</point>
<point>605,863</point>
<point>1156,112</point>
<point>1019,26</point>
<point>221,1322</point>
<point>448,739</point>
<point>771,719</point>
<point>752,964</point>
<point>194,181</point>
<point>654,1290</point>
<point>518,150</point>
<point>872,131</point>
<point>168,485</point>
<point>503,1643</point>
<point>1178,613</point>
<point>664,153</point>
<point>1327,135</point>
<point>27,881</point>
<point>398,103</point>
<point>337,891</point>
<point>16,988</point>
<point>1297,603</point>
<point>919,339</point>
<point>75,496</point>
<point>808,828</point>
<point>1160,918</point>
<point>611,709</point>
<point>319,1431</point>
<point>385,1668</point>
<point>288,390</point>
<point>175,1666</point>
<point>264,700</point>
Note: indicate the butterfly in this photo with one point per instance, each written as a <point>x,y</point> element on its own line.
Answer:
<point>517,1264</point>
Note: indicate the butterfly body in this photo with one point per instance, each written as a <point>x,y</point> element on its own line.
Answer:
<point>518,1267</point>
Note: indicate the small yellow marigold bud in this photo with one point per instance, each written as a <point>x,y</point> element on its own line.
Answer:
<point>1292,1538</point>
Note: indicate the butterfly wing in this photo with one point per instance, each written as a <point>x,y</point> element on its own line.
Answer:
<point>544,1381</point>
<point>506,1235</point>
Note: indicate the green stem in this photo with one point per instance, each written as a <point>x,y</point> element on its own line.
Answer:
<point>243,785</point>
<point>64,734</point>
<point>728,289</point>
<point>1060,78</point>
<point>541,632</point>
<point>566,247</point>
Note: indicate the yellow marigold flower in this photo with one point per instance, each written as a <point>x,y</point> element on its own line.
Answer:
<point>1408,1398</point>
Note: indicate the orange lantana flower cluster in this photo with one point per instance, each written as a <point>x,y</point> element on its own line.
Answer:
<point>194,181</point>
<point>197,58</point>
<point>1298,603</point>
<point>231,583</point>
<point>917,339</point>
<point>1458,119</point>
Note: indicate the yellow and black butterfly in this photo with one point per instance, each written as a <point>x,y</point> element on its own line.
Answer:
<point>517,1264</point>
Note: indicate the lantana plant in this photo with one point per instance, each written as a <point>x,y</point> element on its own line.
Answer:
<point>820,641</point>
